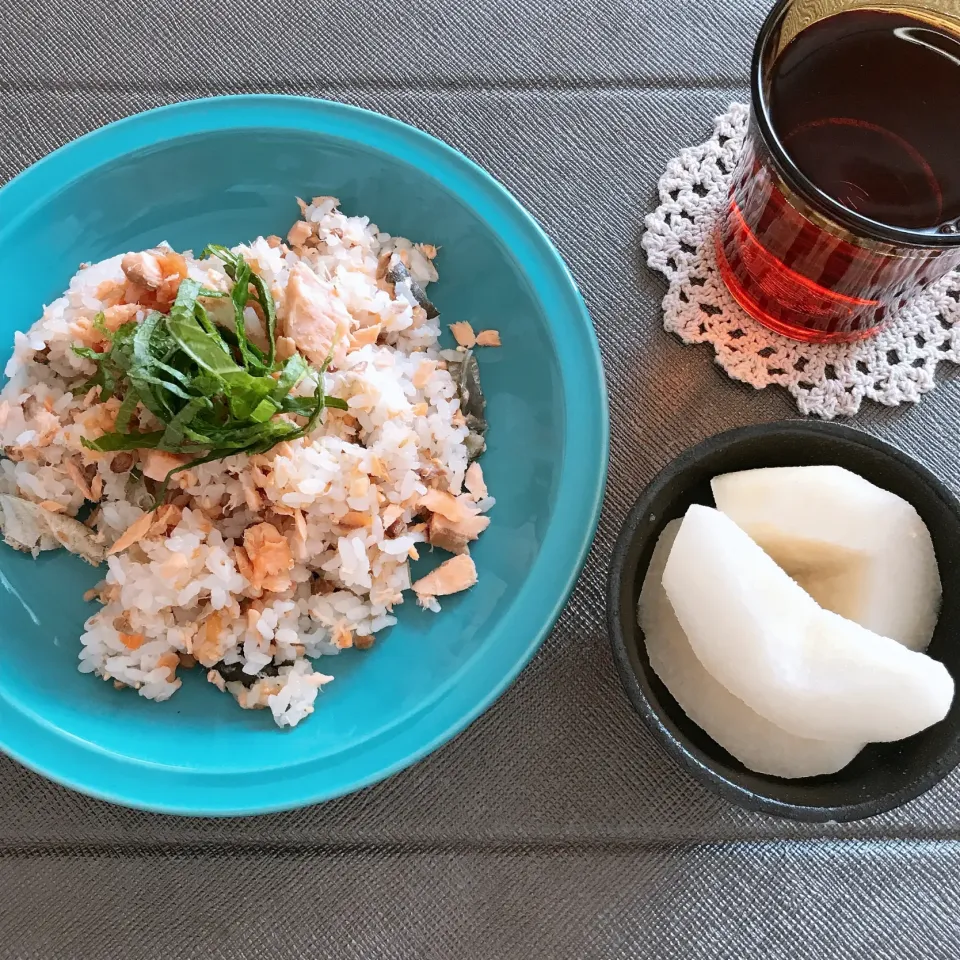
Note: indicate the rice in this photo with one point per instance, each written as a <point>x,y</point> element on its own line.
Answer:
<point>255,566</point>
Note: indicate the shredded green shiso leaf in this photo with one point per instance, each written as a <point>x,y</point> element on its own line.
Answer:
<point>215,392</point>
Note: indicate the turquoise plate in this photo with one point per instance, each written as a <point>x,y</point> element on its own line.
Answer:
<point>226,170</point>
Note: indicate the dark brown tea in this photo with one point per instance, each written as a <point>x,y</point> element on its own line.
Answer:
<point>866,104</point>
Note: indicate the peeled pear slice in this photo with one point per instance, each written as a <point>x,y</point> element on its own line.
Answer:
<point>756,742</point>
<point>805,669</point>
<point>858,550</point>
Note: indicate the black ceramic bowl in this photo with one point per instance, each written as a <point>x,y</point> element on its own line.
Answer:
<point>883,775</point>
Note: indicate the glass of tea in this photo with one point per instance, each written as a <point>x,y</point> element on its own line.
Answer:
<point>846,199</point>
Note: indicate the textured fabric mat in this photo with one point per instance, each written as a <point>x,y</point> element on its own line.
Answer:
<point>554,827</point>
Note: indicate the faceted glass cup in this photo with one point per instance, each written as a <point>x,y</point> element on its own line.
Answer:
<point>795,258</point>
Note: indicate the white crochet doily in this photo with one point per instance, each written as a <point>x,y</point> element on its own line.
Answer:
<point>829,380</point>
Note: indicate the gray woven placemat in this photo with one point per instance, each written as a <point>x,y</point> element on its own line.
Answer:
<point>554,827</point>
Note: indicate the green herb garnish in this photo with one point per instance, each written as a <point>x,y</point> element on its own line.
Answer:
<point>216,393</point>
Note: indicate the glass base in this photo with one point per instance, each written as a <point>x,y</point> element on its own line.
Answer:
<point>793,331</point>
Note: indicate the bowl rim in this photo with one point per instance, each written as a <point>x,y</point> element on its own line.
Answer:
<point>89,769</point>
<point>620,571</point>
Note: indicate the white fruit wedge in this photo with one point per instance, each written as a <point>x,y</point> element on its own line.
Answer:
<point>858,550</point>
<point>806,669</point>
<point>756,742</point>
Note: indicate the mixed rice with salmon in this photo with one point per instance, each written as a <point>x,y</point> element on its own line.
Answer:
<point>254,442</point>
